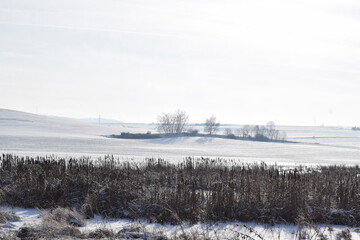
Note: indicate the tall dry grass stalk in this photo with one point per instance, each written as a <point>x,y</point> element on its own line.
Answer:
<point>192,190</point>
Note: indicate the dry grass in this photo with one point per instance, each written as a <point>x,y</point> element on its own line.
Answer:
<point>64,216</point>
<point>55,225</point>
<point>59,223</point>
<point>101,233</point>
<point>193,190</point>
<point>49,230</point>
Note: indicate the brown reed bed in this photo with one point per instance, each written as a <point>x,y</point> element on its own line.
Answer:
<point>192,190</point>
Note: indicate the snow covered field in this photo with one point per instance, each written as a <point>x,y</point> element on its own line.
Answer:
<point>29,134</point>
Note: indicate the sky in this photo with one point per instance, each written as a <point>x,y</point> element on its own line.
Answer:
<point>245,61</point>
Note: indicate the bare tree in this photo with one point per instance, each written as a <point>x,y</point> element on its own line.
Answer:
<point>260,133</point>
<point>257,130</point>
<point>271,132</point>
<point>228,131</point>
<point>173,123</point>
<point>211,126</point>
<point>238,132</point>
<point>246,131</point>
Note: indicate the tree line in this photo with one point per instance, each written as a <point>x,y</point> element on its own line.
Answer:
<point>178,123</point>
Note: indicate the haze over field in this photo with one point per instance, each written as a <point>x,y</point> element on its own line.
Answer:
<point>293,62</point>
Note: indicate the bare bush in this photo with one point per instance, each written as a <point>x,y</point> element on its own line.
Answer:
<point>192,132</point>
<point>64,216</point>
<point>263,133</point>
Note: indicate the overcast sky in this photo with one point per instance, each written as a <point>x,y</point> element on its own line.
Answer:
<point>246,61</point>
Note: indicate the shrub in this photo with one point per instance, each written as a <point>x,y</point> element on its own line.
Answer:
<point>65,216</point>
<point>193,132</point>
<point>261,137</point>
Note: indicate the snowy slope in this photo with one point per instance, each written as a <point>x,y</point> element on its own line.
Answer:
<point>16,123</point>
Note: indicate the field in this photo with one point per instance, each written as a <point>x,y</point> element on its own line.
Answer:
<point>33,135</point>
<point>285,181</point>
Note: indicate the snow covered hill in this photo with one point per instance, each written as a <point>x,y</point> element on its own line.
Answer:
<point>16,123</point>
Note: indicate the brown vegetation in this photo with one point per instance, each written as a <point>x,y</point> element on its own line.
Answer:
<point>192,190</point>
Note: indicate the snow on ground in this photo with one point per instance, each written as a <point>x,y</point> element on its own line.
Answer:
<point>331,135</point>
<point>16,123</point>
<point>177,149</point>
<point>217,230</point>
<point>336,136</point>
<point>222,230</point>
<point>30,134</point>
<point>28,217</point>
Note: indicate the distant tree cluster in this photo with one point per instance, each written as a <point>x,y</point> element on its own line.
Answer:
<point>178,123</point>
<point>257,132</point>
<point>356,128</point>
<point>261,133</point>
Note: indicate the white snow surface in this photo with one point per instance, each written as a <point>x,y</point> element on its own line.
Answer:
<point>30,134</point>
<point>217,230</point>
<point>16,123</point>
